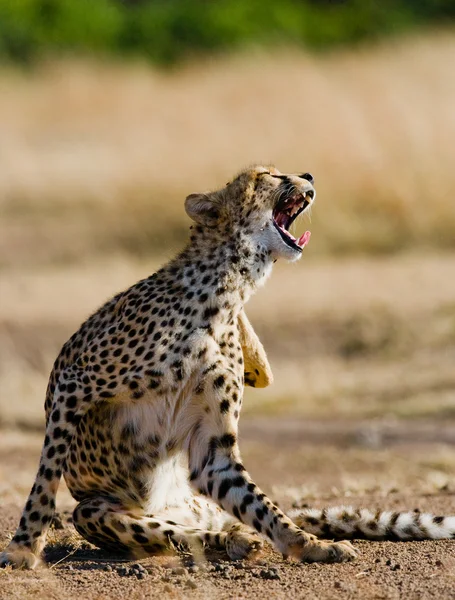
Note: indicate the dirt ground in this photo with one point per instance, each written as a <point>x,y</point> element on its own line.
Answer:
<point>361,412</point>
<point>311,463</point>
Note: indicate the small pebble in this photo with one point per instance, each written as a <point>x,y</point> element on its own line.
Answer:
<point>269,574</point>
<point>179,571</point>
<point>193,569</point>
<point>191,584</point>
<point>107,568</point>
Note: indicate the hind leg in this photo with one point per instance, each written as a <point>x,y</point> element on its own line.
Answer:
<point>108,525</point>
<point>241,541</point>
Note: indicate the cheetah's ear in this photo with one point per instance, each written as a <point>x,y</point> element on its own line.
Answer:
<point>202,209</point>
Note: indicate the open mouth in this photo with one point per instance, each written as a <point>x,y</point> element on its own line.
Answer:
<point>286,212</point>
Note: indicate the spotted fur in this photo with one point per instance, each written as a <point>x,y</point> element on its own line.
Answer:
<point>143,402</point>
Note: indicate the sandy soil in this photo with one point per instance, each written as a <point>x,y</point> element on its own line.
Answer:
<point>361,412</point>
<point>313,463</point>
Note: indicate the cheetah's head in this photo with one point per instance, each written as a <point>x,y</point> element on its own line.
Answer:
<point>260,204</point>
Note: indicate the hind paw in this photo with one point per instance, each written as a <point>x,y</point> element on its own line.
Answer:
<point>242,542</point>
<point>19,557</point>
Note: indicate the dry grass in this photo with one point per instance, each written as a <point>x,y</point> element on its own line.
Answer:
<point>96,158</point>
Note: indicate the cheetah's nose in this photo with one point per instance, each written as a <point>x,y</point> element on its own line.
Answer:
<point>308,176</point>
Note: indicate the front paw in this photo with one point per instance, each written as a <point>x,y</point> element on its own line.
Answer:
<point>19,557</point>
<point>250,379</point>
<point>258,378</point>
<point>315,550</point>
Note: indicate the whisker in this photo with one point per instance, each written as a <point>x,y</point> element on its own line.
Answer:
<point>309,212</point>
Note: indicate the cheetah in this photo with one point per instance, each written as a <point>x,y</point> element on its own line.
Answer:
<point>143,402</point>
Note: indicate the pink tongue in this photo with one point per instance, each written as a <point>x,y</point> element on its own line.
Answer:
<point>304,239</point>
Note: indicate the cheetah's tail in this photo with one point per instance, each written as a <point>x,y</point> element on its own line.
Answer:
<point>347,522</point>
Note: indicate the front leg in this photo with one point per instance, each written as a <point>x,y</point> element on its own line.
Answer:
<point>217,471</point>
<point>258,372</point>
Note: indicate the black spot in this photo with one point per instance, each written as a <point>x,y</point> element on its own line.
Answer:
<point>227,440</point>
<point>71,402</point>
<point>224,488</point>
<point>259,514</point>
<point>140,539</point>
<point>247,499</point>
<point>224,406</point>
<point>219,382</point>
<point>257,525</point>
<point>238,481</point>
<point>71,416</point>
<point>210,312</point>
<point>438,520</point>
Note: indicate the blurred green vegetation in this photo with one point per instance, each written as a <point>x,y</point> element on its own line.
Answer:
<point>166,31</point>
